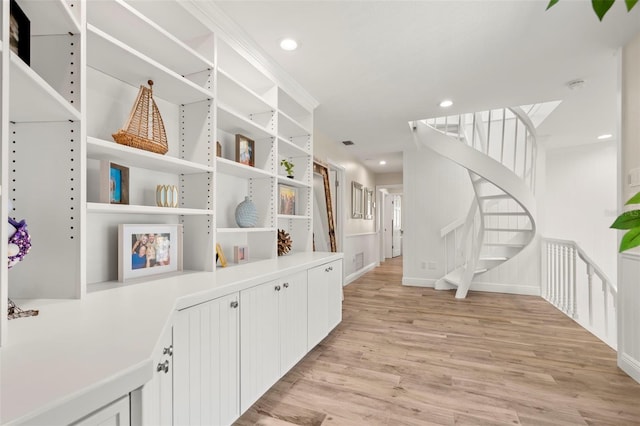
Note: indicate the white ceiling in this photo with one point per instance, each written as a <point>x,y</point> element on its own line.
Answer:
<point>374,65</point>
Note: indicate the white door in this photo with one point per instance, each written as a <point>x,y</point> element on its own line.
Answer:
<point>293,320</point>
<point>388,226</point>
<point>396,228</point>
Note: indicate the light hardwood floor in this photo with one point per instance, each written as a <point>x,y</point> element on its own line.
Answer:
<point>416,356</point>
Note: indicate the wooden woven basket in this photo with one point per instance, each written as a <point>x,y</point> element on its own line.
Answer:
<point>144,129</point>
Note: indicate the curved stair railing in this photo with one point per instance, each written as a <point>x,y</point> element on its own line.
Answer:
<point>498,148</point>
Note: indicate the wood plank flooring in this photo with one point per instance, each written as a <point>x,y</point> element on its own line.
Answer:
<point>416,356</point>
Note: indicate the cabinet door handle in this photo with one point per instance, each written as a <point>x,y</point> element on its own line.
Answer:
<point>277,288</point>
<point>168,351</point>
<point>285,285</point>
<point>234,304</point>
<point>163,366</point>
<point>330,268</point>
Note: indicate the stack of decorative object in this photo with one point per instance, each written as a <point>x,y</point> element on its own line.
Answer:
<point>284,242</point>
<point>138,132</point>
<point>167,196</point>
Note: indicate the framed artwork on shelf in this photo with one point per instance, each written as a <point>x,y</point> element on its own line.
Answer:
<point>19,33</point>
<point>218,149</point>
<point>240,254</point>
<point>220,256</point>
<point>114,183</point>
<point>245,150</point>
<point>145,250</point>
<point>356,200</point>
<point>287,199</point>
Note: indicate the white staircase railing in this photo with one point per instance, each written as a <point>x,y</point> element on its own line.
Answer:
<point>567,277</point>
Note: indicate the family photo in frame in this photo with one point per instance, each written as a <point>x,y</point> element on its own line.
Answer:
<point>245,150</point>
<point>148,250</point>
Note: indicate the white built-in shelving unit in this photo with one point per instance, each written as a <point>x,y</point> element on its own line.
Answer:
<point>88,59</point>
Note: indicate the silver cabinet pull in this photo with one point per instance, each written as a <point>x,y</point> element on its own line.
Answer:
<point>168,351</point>
<point>330,268</point>
<point>163,366</point>
<point>277,288</point>
<point>234,304</point>
<point>285,285</point>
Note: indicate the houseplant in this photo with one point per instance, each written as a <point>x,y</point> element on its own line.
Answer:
<point>629,221</point>
<point>288,166</point>
<point>601,7</point>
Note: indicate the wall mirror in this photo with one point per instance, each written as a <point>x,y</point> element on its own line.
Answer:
<point>324,233</point>
<point>356,200</point>
<point>368,203</point>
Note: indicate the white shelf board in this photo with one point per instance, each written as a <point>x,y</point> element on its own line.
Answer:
<point>288,127</point>
<point>119,19</point>
<point>234,123</point>
<point>232,92</point>
<point>120,61</point>
<point>243,230</point>
<point>293,217</point>
<point>234,168</point>
<point>50,17</point>
<point>290,149</point>
<point>135,209</point>
<point>293,182</point>
<point>100,149</point>
<point>31,98</point>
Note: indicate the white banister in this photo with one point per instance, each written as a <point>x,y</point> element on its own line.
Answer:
<point>565,283</point>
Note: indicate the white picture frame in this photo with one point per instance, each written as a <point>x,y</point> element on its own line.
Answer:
<point>134,261</point>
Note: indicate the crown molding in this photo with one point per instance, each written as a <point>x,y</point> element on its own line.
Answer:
<point>233,34</point>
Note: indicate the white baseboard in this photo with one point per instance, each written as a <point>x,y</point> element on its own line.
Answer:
<point>419,282</point>
<point>357,274</point>
<point>629,365</point>
<point>524,290</point>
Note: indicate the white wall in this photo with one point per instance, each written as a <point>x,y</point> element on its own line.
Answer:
<point>629,264</point>
<point>581,200</point>
<point>360,244</point>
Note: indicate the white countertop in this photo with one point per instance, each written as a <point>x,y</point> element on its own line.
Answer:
<point>83,354</point>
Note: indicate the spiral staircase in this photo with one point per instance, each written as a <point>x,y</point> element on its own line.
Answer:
<point>498,148</point>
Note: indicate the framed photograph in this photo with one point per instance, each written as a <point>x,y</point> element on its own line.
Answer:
<point>19,33</point>
<point>220,256</point>
<point>245,150</point>
<point>218,149</point>
<point>145,250</point>
<point>356,200</point>
<point>240,254</point>
<point>287,199</point>
<point>114,183</point>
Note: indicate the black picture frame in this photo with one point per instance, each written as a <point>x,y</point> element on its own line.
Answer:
<point>20,33</point>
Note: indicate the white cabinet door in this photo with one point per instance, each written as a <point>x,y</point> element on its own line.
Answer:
<point>114,414</point>
<point>259,341</point>
<point>324,301</point>
<point>293,321</point>
<point>206,376</point>
<point>157,394</point>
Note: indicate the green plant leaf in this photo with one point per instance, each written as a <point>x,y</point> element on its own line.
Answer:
<point>630,4</point>
<point>627,220</point>
<point>552,2</point>
<point>630,240</point>
<point>601,7</point>
<point>633,200</point>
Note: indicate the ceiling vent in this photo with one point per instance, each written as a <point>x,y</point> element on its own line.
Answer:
<point>347,143</point>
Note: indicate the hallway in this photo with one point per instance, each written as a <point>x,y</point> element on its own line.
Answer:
<point>416,356</point>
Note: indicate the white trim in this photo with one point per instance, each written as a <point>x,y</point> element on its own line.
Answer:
<point>363,234</point>
<point>419,282</point>
<point>524,290</point>
<point>631,256</point>
<point>629,365</point>
<point>357,274</point>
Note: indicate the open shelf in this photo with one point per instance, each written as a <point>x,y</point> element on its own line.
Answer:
<point>232,92</point>
<point>236,64</point>
<point>290,128</point>
<point>120,61</point>
<point>293,217</point>
<point>290,149</point>
<point>243,230</point>
<point>100,149</point>
<point>118,18</point>
<point>33,99</point>
<point>148,210</point>
<point>50,17</point>
<point>293,182</point>
<point>234,168</point>
<point>233,122</point>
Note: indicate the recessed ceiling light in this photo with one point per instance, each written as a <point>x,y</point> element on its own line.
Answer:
<point>605,136</point>
<point>446,103</point>
<point>288,44</point>
<point>382,162</point>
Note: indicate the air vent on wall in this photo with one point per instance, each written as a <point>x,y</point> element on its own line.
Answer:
<point>348,143</point>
